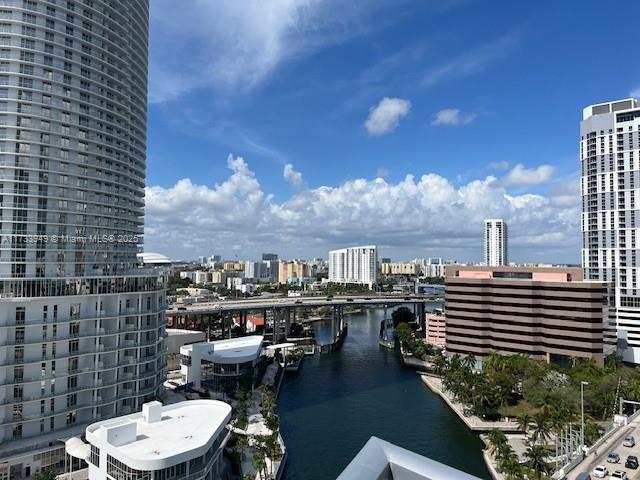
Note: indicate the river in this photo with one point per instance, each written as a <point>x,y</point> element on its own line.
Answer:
<point>331,407</point>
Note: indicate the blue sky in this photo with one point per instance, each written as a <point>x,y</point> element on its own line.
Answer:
<point>291,125</point>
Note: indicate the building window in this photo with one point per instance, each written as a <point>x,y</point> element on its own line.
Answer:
<point>119,471</point>
<point>94,456</point>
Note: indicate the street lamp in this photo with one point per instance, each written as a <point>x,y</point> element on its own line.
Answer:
<point>582,384</point>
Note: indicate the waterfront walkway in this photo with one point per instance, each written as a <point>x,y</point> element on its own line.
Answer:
<point>473,422</point>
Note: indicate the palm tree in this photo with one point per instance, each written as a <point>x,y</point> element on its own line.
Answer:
<point>536,456</point>
<point>591,432</point>
<point>260,464</point>
<point>524,422</point>
<point>541,428</point>
<point>495,361</point>
<point>469,361</point>
<point>440,365</point>
<point>511,468</point>
<point>495,439</point>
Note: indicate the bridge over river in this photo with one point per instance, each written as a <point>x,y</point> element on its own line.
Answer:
<point>283,310</point>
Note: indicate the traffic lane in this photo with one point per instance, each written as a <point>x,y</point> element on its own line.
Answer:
<point>612,445</point>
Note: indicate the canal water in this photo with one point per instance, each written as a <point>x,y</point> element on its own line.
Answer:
<point>331,407</point>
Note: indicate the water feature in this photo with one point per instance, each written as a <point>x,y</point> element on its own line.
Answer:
<point>337,401</point>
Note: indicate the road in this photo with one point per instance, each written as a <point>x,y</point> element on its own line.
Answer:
<point>614,444</point>
<point>308,302</point>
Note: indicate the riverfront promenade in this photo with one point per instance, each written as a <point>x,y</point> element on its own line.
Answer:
<point>473,422</point>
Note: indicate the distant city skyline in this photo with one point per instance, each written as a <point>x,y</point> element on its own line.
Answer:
<point>337,123</point>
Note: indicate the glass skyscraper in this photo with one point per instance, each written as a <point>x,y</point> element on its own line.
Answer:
<point>81,325</point>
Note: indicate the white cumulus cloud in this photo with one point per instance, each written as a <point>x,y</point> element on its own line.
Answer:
<point>292,176</point>
<point>452,117</point>
<point>414,214</point>
<point>385,116</point>
<point>521,176</point>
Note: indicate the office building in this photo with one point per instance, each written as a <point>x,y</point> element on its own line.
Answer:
<point>161,442</point>
<point>380,460</point>
<point>354,265</point>
<point>609,155</point>
<point>436,328</point>
<point>549,314</point>
<point>496,237</point>
<point>81,325</point>
<point>269,256</point>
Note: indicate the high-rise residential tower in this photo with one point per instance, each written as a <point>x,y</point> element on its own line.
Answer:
<point>354,265</point>
<point>81,326</point>
<point>496,237</point>
<point>610,157</point>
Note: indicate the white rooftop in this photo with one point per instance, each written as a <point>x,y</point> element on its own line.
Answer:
<point>161,436</point>
<point>380,459</point>
<point>182,331</point>
<point>228,351</point>
<point>153,258</point>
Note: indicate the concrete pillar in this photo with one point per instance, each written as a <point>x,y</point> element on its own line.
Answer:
<point>333,324</point>
<point>287,326</point>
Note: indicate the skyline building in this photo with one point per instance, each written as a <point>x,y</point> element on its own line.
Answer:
<point>354,265</point>
<point>496,238</point>
<point>81,325</point>
<point>610,156</point>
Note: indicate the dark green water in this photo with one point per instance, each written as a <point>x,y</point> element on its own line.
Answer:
<point>337,401</point>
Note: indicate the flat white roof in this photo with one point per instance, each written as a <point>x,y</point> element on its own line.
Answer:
<point>186,430</point>
<point>150,257</point>
<point>229,351</point>
<point>379,456</point>
<point>182,331</point>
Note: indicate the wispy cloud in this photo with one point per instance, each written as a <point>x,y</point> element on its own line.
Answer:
<point>635,93</point>
<point>471,62</point>
<point>452,117</point>
<point>385,116</point>
<point>382,172</point>
<point>502,165</point>
<point>233,46</point>
<point>520,176</point>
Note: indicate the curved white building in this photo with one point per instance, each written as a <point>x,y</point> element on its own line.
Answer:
<point>161,442</point>
<point>225,360</point>
<point>81,327</point>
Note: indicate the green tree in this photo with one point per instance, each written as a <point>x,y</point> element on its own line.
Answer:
<point>259,463</point>
<point>46,474</point>
<point>402,315</point>
<point>592,432</point>
<point>495,439</point>
<point>524,421</point>
<point>440,364</point>
<point>536,456</point>
<point>632,389</point>
<point>541,430</point>
<point>511,468</point>
<point>268,401</point>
